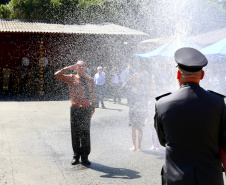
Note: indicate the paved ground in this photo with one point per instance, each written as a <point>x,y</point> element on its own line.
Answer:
<point>35,147</point>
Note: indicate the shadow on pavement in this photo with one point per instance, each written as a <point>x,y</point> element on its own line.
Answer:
<point>111,172</point>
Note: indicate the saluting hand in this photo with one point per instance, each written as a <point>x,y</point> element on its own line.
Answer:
<point>73,67</point>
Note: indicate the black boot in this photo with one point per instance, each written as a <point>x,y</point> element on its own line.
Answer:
<point>75,160</point>
<point>85,160</point>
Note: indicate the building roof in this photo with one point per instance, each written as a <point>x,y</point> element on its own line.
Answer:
<point>204,39</point>
<point>29,26</point>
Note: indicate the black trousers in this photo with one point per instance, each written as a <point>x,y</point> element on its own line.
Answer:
<point>100,94</point>
<point>80,131</point>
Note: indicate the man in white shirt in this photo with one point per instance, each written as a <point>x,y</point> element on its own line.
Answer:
<point>99,80</point>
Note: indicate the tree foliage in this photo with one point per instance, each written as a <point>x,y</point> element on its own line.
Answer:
<point>150,16</point>
<point>4,11</point>
<point>30,9</point>
<point>63,10</point>
<point>119,11</point>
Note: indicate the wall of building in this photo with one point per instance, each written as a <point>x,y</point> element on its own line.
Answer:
<point>60,50</point>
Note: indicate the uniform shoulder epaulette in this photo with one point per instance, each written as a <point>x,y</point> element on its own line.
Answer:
<point>158,97</point>
<point>223,96</point>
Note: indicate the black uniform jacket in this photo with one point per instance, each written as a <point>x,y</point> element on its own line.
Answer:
<point>191,124</point>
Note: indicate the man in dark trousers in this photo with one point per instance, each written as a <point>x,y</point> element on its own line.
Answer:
<point>83,103</point>
<point>191,125</point>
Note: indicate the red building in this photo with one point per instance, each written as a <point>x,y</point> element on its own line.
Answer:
<point>32,51</point>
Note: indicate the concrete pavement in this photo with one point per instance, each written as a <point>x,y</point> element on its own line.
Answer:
<point>35,147</point>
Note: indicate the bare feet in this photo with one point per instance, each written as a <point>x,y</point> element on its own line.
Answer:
<point>133,149</point>
<point>139,150</point>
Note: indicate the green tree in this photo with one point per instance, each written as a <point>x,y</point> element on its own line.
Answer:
<point>63,10</point>
<point>131,13</point>
<point>5,11</point>
<point>154,17</point>
<point>30,9</point>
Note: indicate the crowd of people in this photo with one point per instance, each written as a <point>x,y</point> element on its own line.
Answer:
<point>25,80</point>
<point>134,85</point>
<point>189,122</point>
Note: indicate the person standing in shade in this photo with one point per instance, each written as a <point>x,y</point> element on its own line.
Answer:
<point>16,80</point>
<point>191,125</point>
<point>99,80</point>
<point>83,100</point>
<point>6,78</point>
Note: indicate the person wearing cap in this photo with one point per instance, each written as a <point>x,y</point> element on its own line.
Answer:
<point>83,103</point>
<point>191,125</point>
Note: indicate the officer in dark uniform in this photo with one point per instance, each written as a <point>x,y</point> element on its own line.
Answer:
<point>191,125</point>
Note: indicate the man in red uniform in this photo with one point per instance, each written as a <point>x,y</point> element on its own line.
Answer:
<point>83,100</point>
